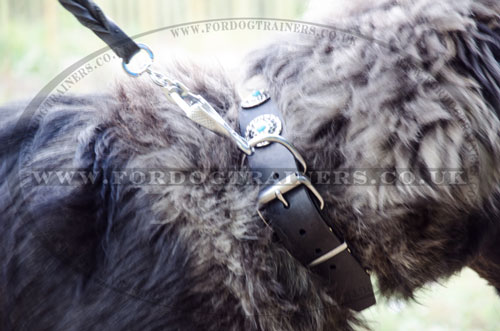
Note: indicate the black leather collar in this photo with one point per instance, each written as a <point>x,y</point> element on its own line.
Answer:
<point>301,226</point>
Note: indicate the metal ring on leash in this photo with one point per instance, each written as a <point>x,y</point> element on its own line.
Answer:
<point>139,63</point>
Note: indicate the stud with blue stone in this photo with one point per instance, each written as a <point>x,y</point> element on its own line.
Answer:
<point>257,98</point>
<point>263,125</point>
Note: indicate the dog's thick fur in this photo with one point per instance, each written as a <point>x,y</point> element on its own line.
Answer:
<point>100,256</point>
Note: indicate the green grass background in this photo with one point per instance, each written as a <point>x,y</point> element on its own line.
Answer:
<point>38,39</point>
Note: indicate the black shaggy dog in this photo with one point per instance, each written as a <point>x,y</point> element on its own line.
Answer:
<point>416,89</point>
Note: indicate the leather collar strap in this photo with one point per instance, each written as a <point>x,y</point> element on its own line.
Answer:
<point>301,227</point>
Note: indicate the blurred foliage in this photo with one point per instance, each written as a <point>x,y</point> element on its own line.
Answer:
<point>463,303</point>
<point>38,39</point>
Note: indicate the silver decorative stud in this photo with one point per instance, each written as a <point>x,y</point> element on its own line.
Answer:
<point>263,125</point>
<point>255,99</point>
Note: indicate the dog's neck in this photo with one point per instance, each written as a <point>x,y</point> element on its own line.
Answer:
<point>292,206</point>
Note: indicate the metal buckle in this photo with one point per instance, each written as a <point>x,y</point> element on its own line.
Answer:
<point>290,182</point>
<point>285,185</point>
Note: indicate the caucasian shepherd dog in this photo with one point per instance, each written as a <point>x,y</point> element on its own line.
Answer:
<point>415,89</point>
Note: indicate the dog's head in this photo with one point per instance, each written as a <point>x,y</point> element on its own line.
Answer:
<point>399,106</point>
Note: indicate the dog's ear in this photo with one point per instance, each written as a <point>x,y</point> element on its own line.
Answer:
<point>478,56</point>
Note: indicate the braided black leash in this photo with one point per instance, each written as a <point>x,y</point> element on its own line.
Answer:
<point>92,17</point>
<point>195,107</point>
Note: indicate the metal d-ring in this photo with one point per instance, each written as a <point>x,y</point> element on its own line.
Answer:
<point>282,141</point>
<point>140,67</point>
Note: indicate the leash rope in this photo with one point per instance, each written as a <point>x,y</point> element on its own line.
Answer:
<point>138,59</point>
<point>92,17</point>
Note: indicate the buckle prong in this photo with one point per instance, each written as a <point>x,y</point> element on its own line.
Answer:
<point>285,185</point>
<point>334,252</point>
<point>280,197</point>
